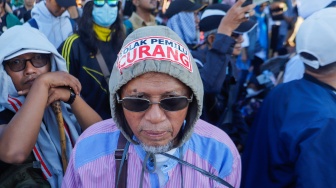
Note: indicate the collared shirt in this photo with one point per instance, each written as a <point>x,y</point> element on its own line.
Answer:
<point>92,163</point>
<point>138,22</point>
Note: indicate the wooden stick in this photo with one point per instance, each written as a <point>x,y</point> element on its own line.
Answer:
<point>56,106</point>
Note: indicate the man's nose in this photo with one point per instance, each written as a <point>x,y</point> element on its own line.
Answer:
<point>155,114</point>
<point>29,69</point>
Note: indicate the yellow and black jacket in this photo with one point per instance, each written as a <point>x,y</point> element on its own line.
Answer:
<point>82,64</point>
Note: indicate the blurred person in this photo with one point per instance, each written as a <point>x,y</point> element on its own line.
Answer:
<point>295,67</point>
<point>53,20</point>
<point>290,143</point>
<point>98,39</point>
<point>7,19</point>
<point>142,16</point>
<point>223,27</point>
<point>23,12</point>
<point>33,75</point>
<point>156,97</point>
<point>183,19</point>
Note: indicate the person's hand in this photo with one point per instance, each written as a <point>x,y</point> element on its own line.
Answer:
<point>56,80</point>
<point>58,94</point>
<point>234,17</point>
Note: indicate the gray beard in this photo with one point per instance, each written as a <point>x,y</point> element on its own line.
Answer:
<point>157,149</point>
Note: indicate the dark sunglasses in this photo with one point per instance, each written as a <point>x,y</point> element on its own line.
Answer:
<point>100,3</point>
<point>37,61</point>
<point>135,104</point>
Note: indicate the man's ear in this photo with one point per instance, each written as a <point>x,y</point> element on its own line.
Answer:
<point>211,39</point>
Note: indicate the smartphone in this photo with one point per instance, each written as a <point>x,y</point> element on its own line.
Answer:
<point>256,2</point>
<point>247,2</point>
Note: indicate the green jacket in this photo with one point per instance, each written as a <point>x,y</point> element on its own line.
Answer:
<point>12,20</point>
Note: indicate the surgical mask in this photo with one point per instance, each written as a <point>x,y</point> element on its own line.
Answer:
<point>105,16</point>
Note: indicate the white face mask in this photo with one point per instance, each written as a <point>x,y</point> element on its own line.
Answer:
<point>105,16</point>
<point>308,7</point>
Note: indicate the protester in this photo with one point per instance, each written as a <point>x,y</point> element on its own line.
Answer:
<point>290,144</point>
<point>294,67</point>
<point>53,20</point>
<point>29,135</point>
<point>96,43</point>
<point>142,16</point>
<point>223,27</point>
<point>23,13</point>
<point>156,100</point>
<point>183,19</point>
<point>7,19</point>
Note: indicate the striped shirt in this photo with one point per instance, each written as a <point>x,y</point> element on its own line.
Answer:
<point>92,162</point>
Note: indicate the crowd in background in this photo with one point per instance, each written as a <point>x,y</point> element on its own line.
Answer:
<point>269,40</point>
<point>238,69</point>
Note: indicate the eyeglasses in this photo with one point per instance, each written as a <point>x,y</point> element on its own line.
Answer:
<point>100,3</point>
<point>135,104</point>
<point>37,61</point>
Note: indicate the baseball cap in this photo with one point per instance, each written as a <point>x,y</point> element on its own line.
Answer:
<point>66,3</point>
<point>317,36</point>
<point>182,5</point>
<point>213,15</point>
<point>24,51</point>
<point>308,7</point>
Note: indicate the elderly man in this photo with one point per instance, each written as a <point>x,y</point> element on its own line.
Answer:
<point>156,100</point>
<point>32,77</point>
<point>292,141</point>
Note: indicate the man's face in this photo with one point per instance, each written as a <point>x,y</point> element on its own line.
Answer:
<point>29,3</point>
<point>54,8</point>
<point>237,47</point>
<point>148,5</point>
<point>24,79</point>
<point>155,127</point>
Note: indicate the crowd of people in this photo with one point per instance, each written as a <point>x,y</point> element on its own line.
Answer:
<point>169,93</point>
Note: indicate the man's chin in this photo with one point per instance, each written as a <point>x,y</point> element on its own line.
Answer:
<point>157,149</point>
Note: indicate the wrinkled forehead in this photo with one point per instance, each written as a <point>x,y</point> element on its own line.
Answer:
<point>166,83</point>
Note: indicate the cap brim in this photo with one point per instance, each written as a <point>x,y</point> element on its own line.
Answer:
<point>196,7</point>
<point>178,6</point>
<point>66,3</point>
<point>246,26</point>
<point>25,51</point>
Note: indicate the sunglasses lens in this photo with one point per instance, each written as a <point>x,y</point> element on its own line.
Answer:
<point>16,65</point>
<point>39,60</point>
<point>174,103</point>
<point>99,3</point>
<point>112,2</point>
<point>135,104</point>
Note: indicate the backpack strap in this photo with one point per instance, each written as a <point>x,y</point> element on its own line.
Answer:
<point>32,22</point>
<point>103,66</point>
<point>120,156</point>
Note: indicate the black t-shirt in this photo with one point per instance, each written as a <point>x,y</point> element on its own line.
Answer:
<point>6,116</point>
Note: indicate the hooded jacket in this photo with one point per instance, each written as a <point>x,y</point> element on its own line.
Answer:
<point>167,54</point>
<point>56,29</point>
<point>47,150</point>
